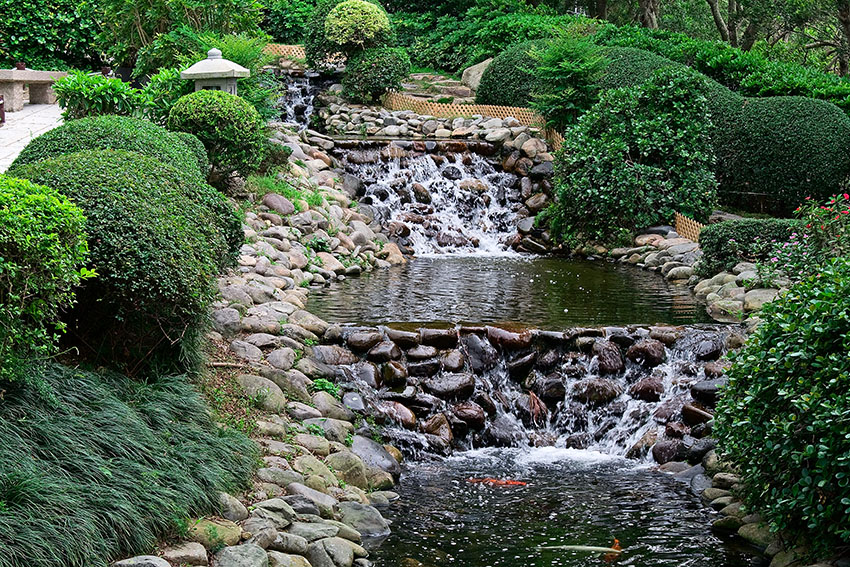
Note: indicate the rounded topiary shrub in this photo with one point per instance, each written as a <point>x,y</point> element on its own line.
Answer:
<point>783,417</point>
<point>509,79</point>
<point>42,254</point>
<point>356,24</point>
<point>155,248</point>
<point>112,133</point>
<point>373,72</point>
<point>321,52</point>
<point>634,159</point>
<point>197,148</point>
<point>782,150</point>
<point>230,128</point>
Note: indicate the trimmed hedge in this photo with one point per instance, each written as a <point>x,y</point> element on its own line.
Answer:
<point>784,149</point>
<point>509,80</point>
<point>112,133</point>
<point>783,417</point>
<point>373,72</point>
<point>354,25</point>
<point>322,53</point>
<point>726,243</point>
<point>42,252</point>
<point>156,237</point>
<point>196,146</point>
<point>109,467</point>
<point>230,128</point>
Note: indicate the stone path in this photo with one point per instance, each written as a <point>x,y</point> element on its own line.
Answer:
<point>23,126</point>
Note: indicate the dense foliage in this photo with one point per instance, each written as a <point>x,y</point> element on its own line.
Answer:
<point>157,235</point>
<point>286,20</point>
<point>782,150</point>
<point>354,25</point>
<point>509,79</point>
<point>48,34</point>
<point>197,148</point>
<point>113,133</point>
<point>42,254</point>
<point>726,243</point>
<point>109,467</point>
<point>784,417</point>
<point>82,95</point>
<point>636,157</point>
<point>231,130</point>
<point>323,53</point>
<point>373,72</point>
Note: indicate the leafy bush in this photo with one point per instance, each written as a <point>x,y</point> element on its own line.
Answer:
<point>231,130</point>
<point>48,34</point>
<point>636,157</point>
<point>112,133</point>
<point>323,53</point>
<point>286,20</point>
<point>783,418</point>
<point>109,467</point>
<point>373,72</point>
<point>782,150</point>
<point>162,91</point>
<point>355,25</point>
<point>509,79</point>
<point>566,77</point>
<point>726,243</point>
<point>82,95</point>
<point>198,150</point>
<point>42,252</point>
<point>157,236</point>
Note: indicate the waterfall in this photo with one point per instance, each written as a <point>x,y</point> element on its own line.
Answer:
<point>296,104</point>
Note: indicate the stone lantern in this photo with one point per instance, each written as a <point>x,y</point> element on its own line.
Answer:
<point>215,73</point>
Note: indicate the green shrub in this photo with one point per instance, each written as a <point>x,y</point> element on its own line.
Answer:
<point>373,72</point>
<point>286,20</point>
<point>355,25</point>
<point>726,243</point>
<point>198,150</point>
<point>509,79</point>
<point>783,418</point>
<point>81,95</point>
<point>782,150</point>
<point>566,79</point>
<point>42,252</point>
<point>157,236</point>
<point>161,92</point>
<point>231,130</point>
<point>322,53</point>
<point>112,133</point>
<point>636,157</point>
<point>110,467</point>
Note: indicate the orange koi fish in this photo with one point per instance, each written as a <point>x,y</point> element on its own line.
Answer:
<point>497,482</point>
<point>609,557</point>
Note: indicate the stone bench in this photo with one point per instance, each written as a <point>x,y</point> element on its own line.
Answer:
<point>40,86</point>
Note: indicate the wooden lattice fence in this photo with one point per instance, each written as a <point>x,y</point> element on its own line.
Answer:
<point>688,228</point>
<point>290,52</point>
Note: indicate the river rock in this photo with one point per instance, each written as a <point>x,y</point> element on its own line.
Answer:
<point>374,455</point>
<point>267,394</point>
<point>150,561</point>
<point>289,543</point>
<point>231,508</point>
<point>278,559</point>
<point>308,465</point>
<point>707,391</point>
<point>336,430</point>
<point>693,415</point>
<point>509,340</point>
<point>450,386</point>
<point>649,352</point>
<point>349,468</point>
<point>609,357</point>
<point>363,518</point>
<point>471,413</point>
<point>597,390</point>
<point>384,352</point>
<point>186,553</point>
<point>212,533</point>
<point>666,450</point>
<point>312,531</point>
<point>362,341</point>
<point>480,353</point>
<point>404,339</point>
<point>421,352</point>
<point>504,432</point>
<point>439,338</point>
<point>394,373</point>
<point>326,504</point>
<point>399,413</point>
<point>330,407</point>
<point>755,299</point>
<point>279,204</point>
<point>438,425</point>
<point>709,349</point>
<point>648,389</point>
<point>452,361</point>
<point>309,322</point>
<point>333,355</point>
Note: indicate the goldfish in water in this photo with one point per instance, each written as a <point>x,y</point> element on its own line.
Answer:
<point>496,482</point>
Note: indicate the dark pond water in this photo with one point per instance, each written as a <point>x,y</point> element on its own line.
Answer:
<point>545,293</point>
<point>572,498</point>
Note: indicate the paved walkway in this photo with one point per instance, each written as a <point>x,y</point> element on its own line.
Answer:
<point>23,126</point>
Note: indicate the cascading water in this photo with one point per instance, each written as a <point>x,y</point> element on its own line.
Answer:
<point>296,104</point>
<point>438,204</point>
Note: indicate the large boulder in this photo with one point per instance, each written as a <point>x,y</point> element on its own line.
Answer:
<point>246,555</point>
<point>374,455</point>
<point>365,519</point>
<point>471,76</point>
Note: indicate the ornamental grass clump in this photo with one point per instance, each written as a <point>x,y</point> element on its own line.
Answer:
<point>43,253</point>
<point>784,418</point>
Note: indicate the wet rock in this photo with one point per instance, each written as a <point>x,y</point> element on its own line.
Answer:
<point>362,341</point>
<point>480,353</point>
<point>551,389</point>
<point>643,445</point>
<point>452,361</point>
<point>424,369</point>
<point>649,352</point>
<point>708,391</point>
<point>709,349</point>
<point>609,357</point>
<point>693,415</point>
<point>438,425</point>
<point>394,373</point>
<point>471,413</point>
<point>439,338</point>
<point>597,390</point>
<point>483,399</point>
<point>354,402</point>
<point>421,352</point>
<point>374,455</point>
<point>669,410</point>
<point>676,430</point>
<point>368,373</point>
<point>648,389</point>
<point>666,450</point>
<point>509,340</point>
<point>384,352</point>
<point>400,413</point>
<point>450,386</point>
<point>521,366</point>
<point>696,449</point>
<point>404,339</point>
<point>504,431</point>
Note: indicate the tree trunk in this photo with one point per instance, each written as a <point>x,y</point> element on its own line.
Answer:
<point>843,52</point>
<point>750,36</point>
<point>648,16</point>
<point>732,23</point>
<point>718,20</point>
<point>602,9</point>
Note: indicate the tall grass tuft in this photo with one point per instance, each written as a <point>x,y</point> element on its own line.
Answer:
<point>109,467</point>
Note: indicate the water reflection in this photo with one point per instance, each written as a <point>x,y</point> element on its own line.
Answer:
<point>547,293</point>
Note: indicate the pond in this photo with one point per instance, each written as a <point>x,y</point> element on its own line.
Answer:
<point>571,498</point>
<point>544,293</point>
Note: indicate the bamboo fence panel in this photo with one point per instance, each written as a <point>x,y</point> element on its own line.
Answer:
<point>688,228</point>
